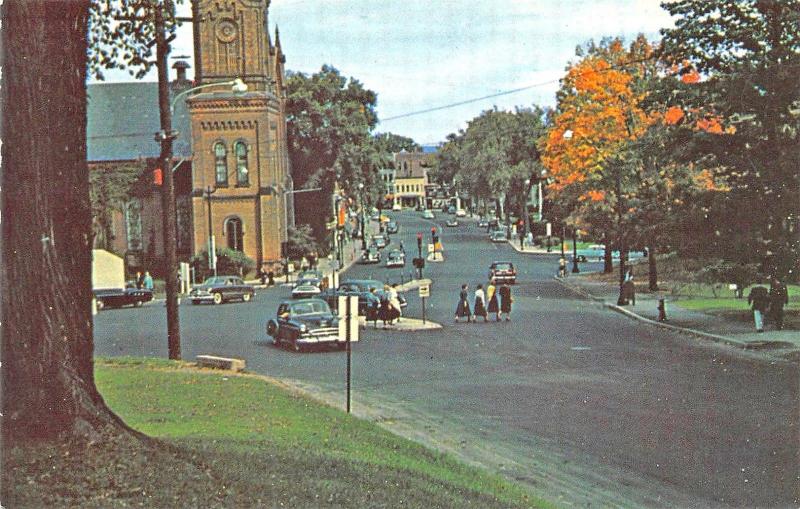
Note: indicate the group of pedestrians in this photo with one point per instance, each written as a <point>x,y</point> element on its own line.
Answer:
<point>768,303</point>
<point>493,300</point>
<point>144,281</point>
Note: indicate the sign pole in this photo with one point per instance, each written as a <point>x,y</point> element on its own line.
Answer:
<point>348,317</point>
<point>423,310</point>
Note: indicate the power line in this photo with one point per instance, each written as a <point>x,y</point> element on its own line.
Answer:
<point>507,92</point>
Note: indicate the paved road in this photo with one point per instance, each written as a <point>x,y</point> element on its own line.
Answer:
<point>586,405</point>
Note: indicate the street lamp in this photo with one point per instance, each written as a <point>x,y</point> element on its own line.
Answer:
<point>237,86</point>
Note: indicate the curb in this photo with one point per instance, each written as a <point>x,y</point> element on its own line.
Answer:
<point>515,247</point>
<point>630,314</point>
<point>415,325</point>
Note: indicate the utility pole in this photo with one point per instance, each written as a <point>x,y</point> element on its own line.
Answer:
<point>165,137</point>
<point>212,255</point>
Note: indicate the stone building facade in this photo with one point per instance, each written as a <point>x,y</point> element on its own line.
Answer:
<point>232,149</point>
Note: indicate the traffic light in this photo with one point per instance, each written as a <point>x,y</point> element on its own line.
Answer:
<point>419,242</point>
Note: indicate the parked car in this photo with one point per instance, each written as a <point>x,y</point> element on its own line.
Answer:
<point>581,258</point>
<point>219,289</point>
<point>371,255</point>
<point>379,241</point>
<point>308,280</point>
<point>503,272</point>
<point>396,259</point>
<point>427,214</point>
<point>119,297</point>
<point>483,223</point>
<point>461,213</point>
<point>494,223</point>
<point>304,290</point>
<point>498,236</point>
<point>452,222</point>
<point>304,323</point>
<point>392,227</point>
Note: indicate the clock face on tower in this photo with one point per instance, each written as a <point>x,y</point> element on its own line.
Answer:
<point>226,30</point>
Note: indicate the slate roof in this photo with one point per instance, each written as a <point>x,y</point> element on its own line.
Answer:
<point>122,119</point>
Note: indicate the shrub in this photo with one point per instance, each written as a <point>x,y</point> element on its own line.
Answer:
<point>229,261</point>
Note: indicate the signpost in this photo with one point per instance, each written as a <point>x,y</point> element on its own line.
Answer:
<point>348,326</point>
<point>424,291</point>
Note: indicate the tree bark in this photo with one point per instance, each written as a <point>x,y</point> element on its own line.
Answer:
<point>608,258</point>
<point>652,269</point>
<point>47,346</point>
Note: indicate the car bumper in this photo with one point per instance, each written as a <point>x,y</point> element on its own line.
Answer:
<point>504,277</point>
<point>201,297</point>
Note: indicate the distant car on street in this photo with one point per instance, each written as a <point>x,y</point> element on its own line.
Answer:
<point>219,289</point>
<point>498,236</point>
<point>452,222</point>
<point>305,289</point>
<point>305,323</point>
<point>461,213</point>
<point>396,207</point>
<point>503,272</point>
<point>396,259</point>
<point>392,227</point>
<point>427,214</point>
<point>483,223</point>
<point>371,255</point>
<point>119,297</point>
<point>310,274</point>
<point>451,209</point>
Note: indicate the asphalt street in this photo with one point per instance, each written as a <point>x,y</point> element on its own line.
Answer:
<point>588,406</point>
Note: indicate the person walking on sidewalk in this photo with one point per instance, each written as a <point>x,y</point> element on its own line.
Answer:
<point>562,267</point>
<point>480,305</point>
<point>758,298</point>
<point>147,281</point>
<point>778,297</point>
<point>491,297</point>
<point>505,300</point>
<point>462,309</point>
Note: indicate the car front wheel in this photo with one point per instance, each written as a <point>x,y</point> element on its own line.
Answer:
<point>217,298</point>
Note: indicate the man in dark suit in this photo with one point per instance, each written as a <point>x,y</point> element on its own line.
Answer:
<point>778,297</point>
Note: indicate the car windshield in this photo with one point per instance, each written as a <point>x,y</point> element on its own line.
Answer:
<point>310,307</point>
<point>215,280</point>
<point>395,255</point>
<point>503,266</point>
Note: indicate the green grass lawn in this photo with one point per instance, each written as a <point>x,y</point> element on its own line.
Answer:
<point>241,441</point>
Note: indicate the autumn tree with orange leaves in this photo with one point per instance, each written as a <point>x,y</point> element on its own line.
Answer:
<point>586,150</point>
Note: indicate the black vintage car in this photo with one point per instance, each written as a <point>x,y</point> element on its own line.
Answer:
<point>219,289</point>
<point>366,299</point>
<point>305,323</point>
<point>119,297</point>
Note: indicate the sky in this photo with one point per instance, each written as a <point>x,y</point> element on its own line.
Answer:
<point>423,54</point>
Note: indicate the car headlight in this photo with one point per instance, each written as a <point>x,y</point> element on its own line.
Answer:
<point>303,328</point>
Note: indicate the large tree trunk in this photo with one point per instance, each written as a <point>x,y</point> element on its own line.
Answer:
<point>652,269</point>
<point>47,347</point>
<point>608,258</point>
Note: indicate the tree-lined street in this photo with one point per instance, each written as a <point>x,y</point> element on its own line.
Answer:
<point>581,402</point>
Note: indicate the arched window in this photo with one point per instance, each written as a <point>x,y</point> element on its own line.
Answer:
<point>220,164</point>
<point>234,233</point>
<point>240,149</point>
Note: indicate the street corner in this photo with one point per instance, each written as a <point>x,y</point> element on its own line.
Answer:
<point>413,284</point>
<point>404,324</point>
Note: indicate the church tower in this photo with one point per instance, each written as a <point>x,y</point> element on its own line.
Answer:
<point>240,174</point>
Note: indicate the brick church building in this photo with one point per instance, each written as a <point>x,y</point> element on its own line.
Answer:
<point>232,177</point>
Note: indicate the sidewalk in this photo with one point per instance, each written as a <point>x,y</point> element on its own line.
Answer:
<point>514,242</point>
<point>716,328</point>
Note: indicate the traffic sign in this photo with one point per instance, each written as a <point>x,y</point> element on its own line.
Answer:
<point>425,291</point>
<point>430,248</point>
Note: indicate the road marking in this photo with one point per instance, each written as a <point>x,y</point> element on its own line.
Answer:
<point>581,348</point>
